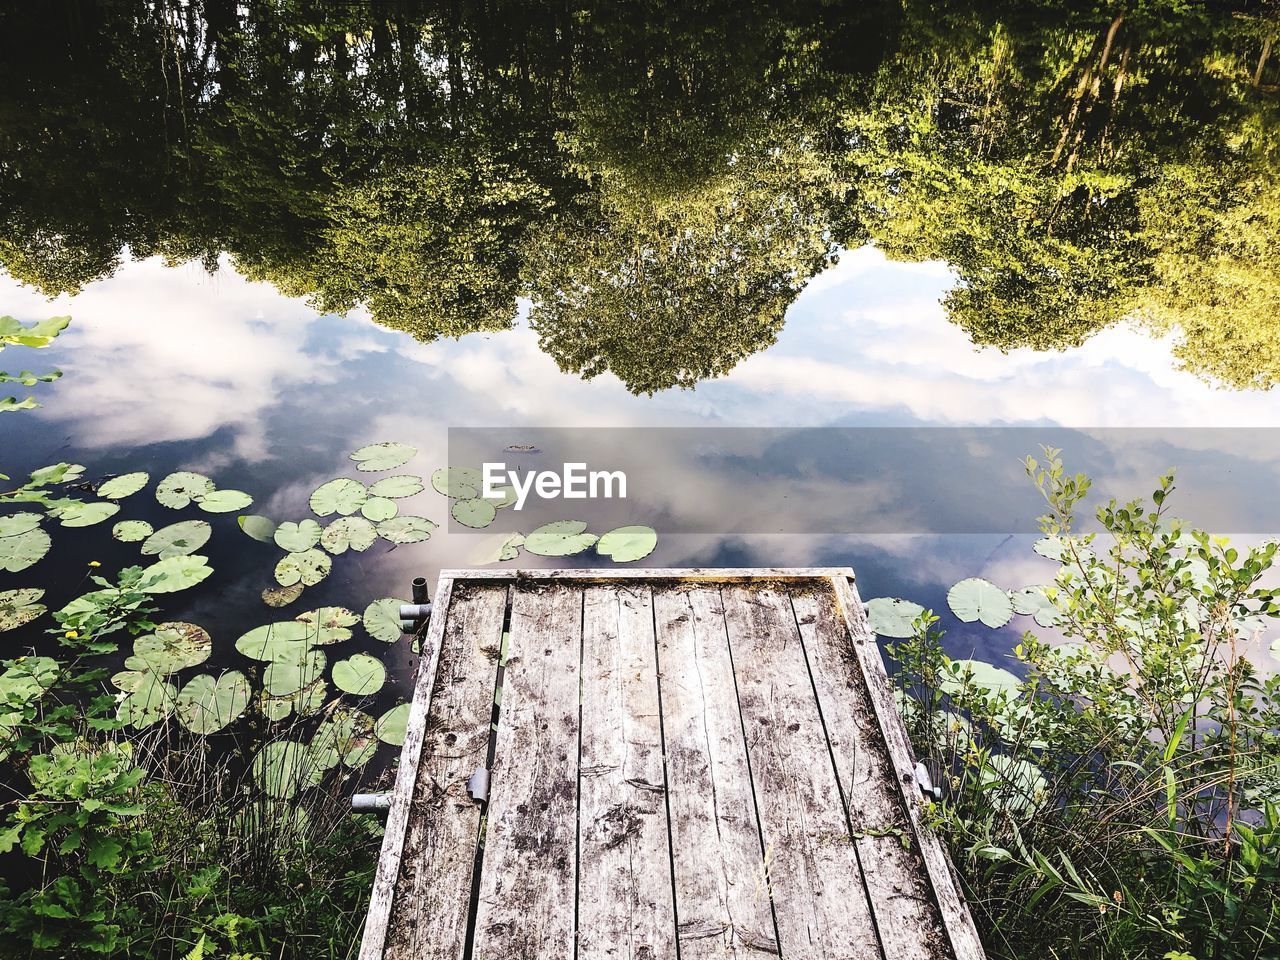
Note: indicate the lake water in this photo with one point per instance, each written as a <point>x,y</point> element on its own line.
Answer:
<point>282,237</point>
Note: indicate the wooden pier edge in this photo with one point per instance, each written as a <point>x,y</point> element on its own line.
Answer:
<point>384,882</point>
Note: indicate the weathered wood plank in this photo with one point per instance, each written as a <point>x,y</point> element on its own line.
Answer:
<point>906,914</point>
<point>722,898</point>
<point>527,884</point>
<point>819,899</point>
<point>384,883</point>
<point>963,936</point>
<point>709,574</point>
<point>432,901</point>
<point>624,855</point>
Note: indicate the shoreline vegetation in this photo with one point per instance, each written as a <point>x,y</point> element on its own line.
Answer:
<point>661,186</point>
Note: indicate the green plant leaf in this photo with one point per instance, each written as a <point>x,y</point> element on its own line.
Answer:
<point>21,551</point>
<point>396,488</point>
<point>1032,602</point>
<point>19,607</point>
<point>458,483</point>
<point>977,599</point>
<point>175,573</point>
<point>39,334</point>
<point>474,513</point>
<point>406,529</point>
<point>378,508</point>
<point>495,549</point>
<point>178,539</point>
<point>391,726</point>
<point>224,501</point>
<point>382,619</point>
<point>284,639</point>
<point>151,701</point>
<point>18,523</point>
<point>297,537</point>
<point>628,544</point>
<point>282,596</point>
<point>360,675</point>
<point>73,513</point>
<point>980,675</point>
<point>131,531</point>
<point>125,485</point>
<point>308,568</point>
<point>357,533</point>
<point>383,456</point>
<point>348,736</point>
<point>283,767</point>
<point>344,496</point>
<point>891,617</point>
<point>56,473</point>
<point>173,647</point>
<point>327,625</point>
<point>286,675</point>
<point>308,700</point>
<point>178,489</point>
<point>262,529</point>
<point>560,538</point>
<point>206,704</point>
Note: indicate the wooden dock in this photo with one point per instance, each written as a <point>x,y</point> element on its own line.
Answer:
<point>683,764</point>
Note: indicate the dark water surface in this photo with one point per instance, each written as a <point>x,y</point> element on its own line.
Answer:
<point>285,232</point>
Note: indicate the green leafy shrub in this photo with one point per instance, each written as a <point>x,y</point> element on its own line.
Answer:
<point>1120,798</point>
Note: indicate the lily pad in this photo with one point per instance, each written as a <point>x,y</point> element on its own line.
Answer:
<point>17,523</point>
<point>286,675</point>
<point>21,551</point>
<point>406,529</point>
<point>282,596</point>
<point>306,701</point>
<point>349,736</point>
<point>36,335</point>
<point>125,485</point>
<point>396,488</point>
<point>382,619</point>
<point>979,674</point>
<point>224,501</point>
<point>131,531</point>
<point>891,617</point>
<point>458,483</point>
<point>328,624</point>
<point>383,456</point>
<point>178,539</point>
<point>284,639</point>
<point>257,526</point>
<point>503,546</point>
<point>297,537</point>
<point>153,700</point>
<point>308,568</point>
<point>1032,602</point>
<point>475,513</point>
<point>178,489</point>
<point>56,473</point>
<point>355,533</point>
<point>206,704</point>
<point>560,538</point>
<point>73,513</point>
<point>175,573</point>
<point>173,647</point>
<point>360,675</point>
<point>19,607</point>
<point>344,496</point>
<point>379,508</point>
<point>628,544</point>
<point>391,726</point>
<point>977,599</point>
<point>131,680</point>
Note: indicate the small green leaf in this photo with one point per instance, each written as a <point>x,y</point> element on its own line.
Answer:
<point>396,488</point>
<point>131,531</point>
<point>391,726</point>
<point>475,513</point>
<point>262,529</point>
<point>628,544</point>
<point>378,508</point>
<point>308,568</point>
<point>19,607</point>
<point>360,675</point>
<point>178,539</point>
<point>559,538</point>
<point>357,533</point>
<point>382,619</point>
<point>343,496</point>
<point>977,599</point>
<point>178,489</point>
<point>297,537</point>
<point>125,485</point>
<point>224,501</point>
<point>406,529</point>
<point>383,456</point>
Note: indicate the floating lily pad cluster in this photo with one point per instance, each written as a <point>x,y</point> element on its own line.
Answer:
<point>181,488</point>
<point>37,335</point>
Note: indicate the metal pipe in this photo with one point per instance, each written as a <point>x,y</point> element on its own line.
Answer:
<point>420,590</point>
<point>370,802</point>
